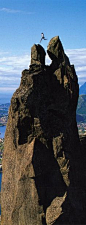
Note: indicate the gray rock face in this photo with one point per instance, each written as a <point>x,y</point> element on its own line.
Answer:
<point>40,168</point>
<point>56,51</point>
<point>37,55</point>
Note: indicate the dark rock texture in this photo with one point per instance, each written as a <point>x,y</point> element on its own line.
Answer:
<point>41,182</point>
<point>37,55</point>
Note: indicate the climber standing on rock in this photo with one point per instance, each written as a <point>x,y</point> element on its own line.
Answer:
<point>42,37</point>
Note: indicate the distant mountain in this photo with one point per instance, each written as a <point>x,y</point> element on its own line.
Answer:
<point>82,89</point>
<point>80,118</point>
<point>81,109</point>
<point>4,109</point>
<point>6,105</point>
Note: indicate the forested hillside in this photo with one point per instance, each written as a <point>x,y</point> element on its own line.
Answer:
<point>81,109</point>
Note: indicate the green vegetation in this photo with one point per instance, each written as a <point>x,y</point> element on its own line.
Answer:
<point>4,114</point>
<point>81,109</point>
<point>81,115</point>
<point>1,146</point>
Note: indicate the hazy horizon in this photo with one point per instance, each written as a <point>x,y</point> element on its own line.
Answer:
<point>5,98</point>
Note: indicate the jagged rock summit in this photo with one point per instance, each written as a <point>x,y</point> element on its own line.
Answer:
<point>40,168</point>
<point>37,55</point>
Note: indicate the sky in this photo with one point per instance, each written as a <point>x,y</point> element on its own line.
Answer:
<point>21,25</point>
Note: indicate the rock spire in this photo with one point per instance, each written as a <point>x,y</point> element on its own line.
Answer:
<point>40,167</point>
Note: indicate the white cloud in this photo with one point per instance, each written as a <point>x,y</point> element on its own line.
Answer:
<point>11,67</point>
<point>81,68</point>
<point>7,89</point>
<point>48,60</point>
<point>14,64</point>
<point>78,58</point>
<point>7,10</point>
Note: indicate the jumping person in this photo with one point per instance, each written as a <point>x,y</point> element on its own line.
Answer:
<point>42,37</point>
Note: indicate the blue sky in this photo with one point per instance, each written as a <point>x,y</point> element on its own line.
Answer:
<point>21,24</point>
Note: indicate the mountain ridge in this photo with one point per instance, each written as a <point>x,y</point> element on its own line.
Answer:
<point>82,89</point>
<point>81,108</point>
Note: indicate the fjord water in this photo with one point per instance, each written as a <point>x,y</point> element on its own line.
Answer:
<point>2,131</point>
<point>5,98</point>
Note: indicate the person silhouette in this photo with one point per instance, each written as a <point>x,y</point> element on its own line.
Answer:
<point>42,37</point>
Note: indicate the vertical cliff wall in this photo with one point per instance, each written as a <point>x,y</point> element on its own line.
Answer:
<point>40,183</point>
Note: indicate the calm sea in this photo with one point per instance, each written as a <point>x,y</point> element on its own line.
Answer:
<point>2,131</point>
<point>5,98</point>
